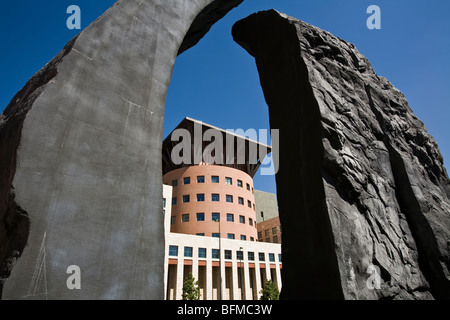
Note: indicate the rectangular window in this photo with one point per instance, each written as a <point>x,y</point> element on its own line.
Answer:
<point>249,203</point>
<point>241,219</point>
<point>243,237</point>
<point>251,256</point>
<point>230,235</point>
<point>241,200</point>
<point>230,217</point>
<point>248,187</point>
<point>240,255</point>
<point>174,201</point>
<point>279,257</point>
<point>187,180</point>
<point>185,217</point>
<point>215,179</point>
<point>202,252</point>
<point>261,256</point>
<point>173,251</point>
<point>260,235</point>
<point>172,219</point>
<point>215,253</point>
<point>239,183</point>
<point>250,221</point>
<point>229,198</point>
<point>215,197</point>
<point>215,216</point>
<point>274,230</point>
<point>216,235</point>
<point>174,183</point>
<point>227,254</point>
<point>267,240</point>
<point>188,252</point>
<point>252,239</point>
<point>275,239</point>
<point>266,233</point>
<point>200,197</point>
<point>164,202</point>
<point>200,216</point>
<point>186,198</point>
<point>201,234</point>
<point>271,257</point>
<point>200,179</point>
<point>228,180</point>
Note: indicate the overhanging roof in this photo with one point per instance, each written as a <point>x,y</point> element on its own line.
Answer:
<point>237,151</point>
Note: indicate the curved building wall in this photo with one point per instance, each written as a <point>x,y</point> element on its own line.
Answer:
<point>195,214</point>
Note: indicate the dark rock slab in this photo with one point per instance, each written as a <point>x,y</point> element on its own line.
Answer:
<point>361,184</point>
<point>80,150</point>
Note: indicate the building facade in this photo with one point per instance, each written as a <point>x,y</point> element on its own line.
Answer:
<point>211,229</point>
<point>267,217</point>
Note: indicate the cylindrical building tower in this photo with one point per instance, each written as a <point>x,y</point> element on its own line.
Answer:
<point>223,189</point>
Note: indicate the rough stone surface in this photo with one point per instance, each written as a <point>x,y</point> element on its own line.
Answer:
<point>80,150</point>
<point>361,183</point>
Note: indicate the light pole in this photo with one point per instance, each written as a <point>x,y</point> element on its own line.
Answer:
<point>240,273</point>
<point>220,261</point>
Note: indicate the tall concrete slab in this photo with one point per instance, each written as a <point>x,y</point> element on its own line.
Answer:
<point>80,180</point>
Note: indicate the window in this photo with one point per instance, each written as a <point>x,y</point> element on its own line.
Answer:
<point>230,217</point>
<point>200,216</point>
<point>202,252</point>
<point>241,219</point>
<point>251,256</point>
<point>174,200</point>
<point>174,183</point>
<point>215,179</point>
<point>173,251</point>
<point>215,253</point>
<point>186,198</point>
<point>243,237</point>
<point>200,179</point>
<point>216,235</point>
<point>215,216</point>
<point>267,240</point>
<point>250,221</point>
<point>271,257</point>
<point>200,197</point>
<point>279,257</point>
<point>274,230</point>
<point>260,235</point>
<point>230,235</point>
<point>187,180</point>
<point>249,203</point>
<point>185,217</point>
<point>261,256</point>
<point>248,187</point>
<point>239,183</point>
<point>252,239</point>
<point>228,180</point>
<point>172,219</point>
<point>201,234</point>
<point>240,255</point>
<point>241,200</point>
<point>275,239</point>
<point>188,252</point>
<point>215,197</point>
<point>266,232</point>
<point>229,198</point>
<point>227,254</point>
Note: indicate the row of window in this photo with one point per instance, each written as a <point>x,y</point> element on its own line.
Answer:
<point>267,235</point>
<point>215,216</point>
<point>215,197</point>
<point>214,179</point>
<point>188,253</point>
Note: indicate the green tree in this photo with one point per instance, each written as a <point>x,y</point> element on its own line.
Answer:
<point>191,291</point>
<point>270,291</point>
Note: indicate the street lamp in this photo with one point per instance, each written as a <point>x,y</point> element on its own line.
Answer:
<point>220,261</point>
<point>240,273</point>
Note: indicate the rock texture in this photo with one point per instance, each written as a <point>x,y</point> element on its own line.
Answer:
<point>80,150</point>
<point>361,183</point>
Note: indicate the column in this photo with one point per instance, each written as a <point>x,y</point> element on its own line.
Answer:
<point>236,294</point>
<point>179,285</point>
<point>278,271</point>
<point>248,293</point>
<point>209,279</point>
<point>258,277</point>
<point>222,275</point>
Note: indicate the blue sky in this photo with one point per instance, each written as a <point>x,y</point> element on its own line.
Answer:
<point>217,82</point>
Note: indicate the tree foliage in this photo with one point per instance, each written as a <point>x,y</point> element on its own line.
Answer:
<point>270,291</point>
<point>191,290</point>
